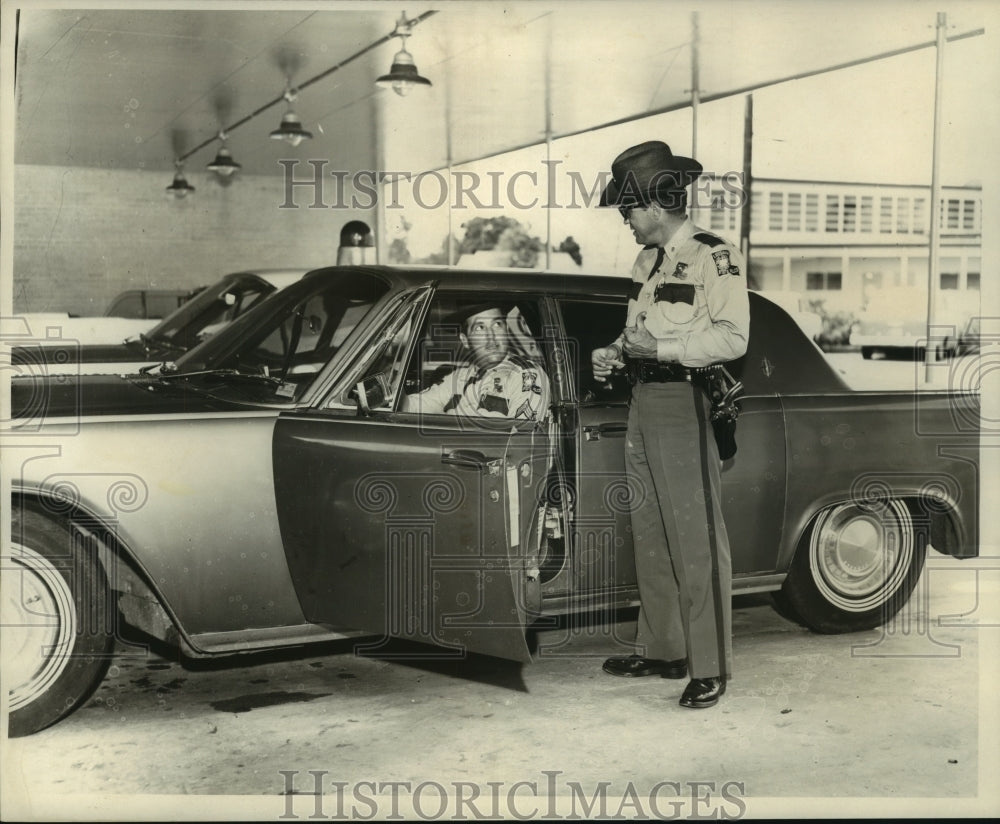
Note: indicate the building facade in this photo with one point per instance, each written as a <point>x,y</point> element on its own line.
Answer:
<point>843,242</point>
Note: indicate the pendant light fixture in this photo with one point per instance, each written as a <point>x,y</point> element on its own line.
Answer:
<point>180,187</point>
<point>224,166</point>
<point>290,129</point>
<point>403,76</point>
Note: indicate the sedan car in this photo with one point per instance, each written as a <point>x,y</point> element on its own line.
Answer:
<point>185,327</point>
<point>269,488</point>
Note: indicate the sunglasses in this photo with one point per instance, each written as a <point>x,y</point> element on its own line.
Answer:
<point>626,211</point>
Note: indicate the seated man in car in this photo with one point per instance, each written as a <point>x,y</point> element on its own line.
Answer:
<point>496,382</point>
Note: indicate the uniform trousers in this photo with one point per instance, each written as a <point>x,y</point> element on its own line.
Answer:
<point>682,559</point>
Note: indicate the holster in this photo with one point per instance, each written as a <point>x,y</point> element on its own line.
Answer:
<point>724,392</point>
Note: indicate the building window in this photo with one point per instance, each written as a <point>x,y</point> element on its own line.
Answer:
<point>885,216</point>
<point>949,280</point>
<point>823,280</point>
<point>950,214</point>
<point>972,281</point>
<point>812,213</point>
<point>794,212</point>
<point>833,213</point>
<point>903,215</point>
<point>850,213</point>
<point>775,207</point>
<point>866,213</point>
<point>968,214</point>
<point>920,221</point>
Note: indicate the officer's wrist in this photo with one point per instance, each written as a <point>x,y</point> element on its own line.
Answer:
<point>669,350</point>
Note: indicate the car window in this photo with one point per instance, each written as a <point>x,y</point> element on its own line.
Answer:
<point>380,367</point>
<point>159,306</point>
<point>305,339</point>
<point>128,305</point>
<point>442,368</point>
<point>590,324</point>
<point>206,313</point>
<point>274,352</point>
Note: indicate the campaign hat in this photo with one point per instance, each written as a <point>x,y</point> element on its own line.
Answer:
<point>648,172</point>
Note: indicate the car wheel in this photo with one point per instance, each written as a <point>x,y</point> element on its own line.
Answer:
<point>854,568</point>
<point>57,632</point>
<point>866,352</point>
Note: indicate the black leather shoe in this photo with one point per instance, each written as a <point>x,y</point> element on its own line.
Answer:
<point>703,692</point>
<point>635,666</point>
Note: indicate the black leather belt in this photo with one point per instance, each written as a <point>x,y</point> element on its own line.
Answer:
<point>651,371</point>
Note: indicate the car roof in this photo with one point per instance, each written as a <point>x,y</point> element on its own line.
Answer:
<point>277,277</point>
<point>526,280</point>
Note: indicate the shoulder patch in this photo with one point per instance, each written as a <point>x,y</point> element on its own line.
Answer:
<point>708,239</point>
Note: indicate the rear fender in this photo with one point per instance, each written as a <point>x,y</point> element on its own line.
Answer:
<point>935,502</point>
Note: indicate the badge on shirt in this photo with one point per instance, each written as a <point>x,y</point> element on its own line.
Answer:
<point>680,271</point>
<point>723,265</point>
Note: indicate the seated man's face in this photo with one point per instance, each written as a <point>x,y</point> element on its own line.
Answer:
<point>487,337</point>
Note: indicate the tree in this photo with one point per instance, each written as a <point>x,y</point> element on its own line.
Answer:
<point>505,234</point>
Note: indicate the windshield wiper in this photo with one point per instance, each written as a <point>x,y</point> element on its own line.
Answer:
<point>225,374</point>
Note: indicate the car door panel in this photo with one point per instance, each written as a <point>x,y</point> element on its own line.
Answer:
<point>400,529</point>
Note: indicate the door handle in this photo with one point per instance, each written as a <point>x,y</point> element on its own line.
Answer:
<point>467,458</point>
<point>610,430</point>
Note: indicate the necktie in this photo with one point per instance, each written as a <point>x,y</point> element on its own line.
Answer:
<point>660,254</point>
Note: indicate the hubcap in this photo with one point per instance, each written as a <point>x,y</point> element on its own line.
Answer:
<point>39,622</point>
<point>860,555</point>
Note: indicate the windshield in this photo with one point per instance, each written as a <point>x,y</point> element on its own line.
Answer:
<point>292,335</point>
<point>208,311</point>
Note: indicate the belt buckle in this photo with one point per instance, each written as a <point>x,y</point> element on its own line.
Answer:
<point>649,371</point>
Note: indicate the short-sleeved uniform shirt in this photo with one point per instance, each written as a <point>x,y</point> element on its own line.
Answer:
<point>694,296</point>
<point>514,388</point>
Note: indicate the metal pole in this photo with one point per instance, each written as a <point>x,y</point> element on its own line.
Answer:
<point>747,183</point>
<point>448,159</point>
<point>548,149</point>
<point>695,100</point>
<point>695,91</point>
<point>934,244</point>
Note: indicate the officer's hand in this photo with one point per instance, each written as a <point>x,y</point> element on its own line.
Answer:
<point>639,342</point>
<point>605,360</point>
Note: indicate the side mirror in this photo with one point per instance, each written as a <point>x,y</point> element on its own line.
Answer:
<point>371,392</point>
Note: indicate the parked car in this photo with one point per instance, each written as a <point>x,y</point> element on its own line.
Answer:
<point>185,327</point>
<point>968,339</point>
<point>265,490</point>
<point>149,303</point>
<point>894,323</point>
<point>56,328</point>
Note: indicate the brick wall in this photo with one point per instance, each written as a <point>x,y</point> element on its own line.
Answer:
<point>81,236</point>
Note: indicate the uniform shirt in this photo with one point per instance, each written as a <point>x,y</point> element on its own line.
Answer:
<point>695,298</point>
<point>514,388</point>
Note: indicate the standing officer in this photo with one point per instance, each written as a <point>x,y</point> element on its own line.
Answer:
<point>688,309</point>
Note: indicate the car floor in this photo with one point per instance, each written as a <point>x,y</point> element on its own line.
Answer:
<point>890,718</point>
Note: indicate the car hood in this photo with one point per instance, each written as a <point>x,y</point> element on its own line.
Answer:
<point>37,399</point>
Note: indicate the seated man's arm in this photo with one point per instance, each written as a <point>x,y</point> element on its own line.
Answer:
<point>435,399</point>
